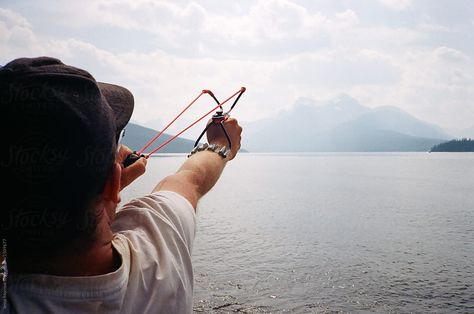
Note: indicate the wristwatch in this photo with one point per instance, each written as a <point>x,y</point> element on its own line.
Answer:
<point>222,151</point>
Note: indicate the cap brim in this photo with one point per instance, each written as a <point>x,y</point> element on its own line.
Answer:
<point>121,101</point>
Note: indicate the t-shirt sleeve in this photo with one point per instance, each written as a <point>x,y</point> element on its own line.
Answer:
<point>164,213</point>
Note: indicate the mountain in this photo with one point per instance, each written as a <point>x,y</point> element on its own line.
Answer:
<point>360,138</point>
<point>341,125</point>
<point>463,145</point>
<point>290,130</point>
<point>397,120</point>
<point>154,124</point>
<point>136,136</point>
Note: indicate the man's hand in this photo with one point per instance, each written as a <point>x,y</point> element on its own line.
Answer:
<point>133,171</point>
<point>215,135</point>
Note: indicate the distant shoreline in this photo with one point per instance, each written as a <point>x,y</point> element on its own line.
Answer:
<point>465,145</point>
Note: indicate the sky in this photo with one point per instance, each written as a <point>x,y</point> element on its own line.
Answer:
<point>417,55</point>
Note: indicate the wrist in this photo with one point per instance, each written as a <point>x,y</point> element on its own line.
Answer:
<point>221,150</point>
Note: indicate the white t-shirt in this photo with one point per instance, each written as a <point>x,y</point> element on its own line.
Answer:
<point>154,236</point>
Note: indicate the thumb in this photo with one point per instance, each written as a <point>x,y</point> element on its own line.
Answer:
<point>132,172</point>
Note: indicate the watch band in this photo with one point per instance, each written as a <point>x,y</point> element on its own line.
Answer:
<point>222,151</point>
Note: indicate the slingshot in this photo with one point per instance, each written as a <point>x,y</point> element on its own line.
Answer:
<point>219,117</point>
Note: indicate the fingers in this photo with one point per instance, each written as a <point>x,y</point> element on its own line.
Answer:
<point>132,172</point>
<point>215,135</point>
<point>123,152</point>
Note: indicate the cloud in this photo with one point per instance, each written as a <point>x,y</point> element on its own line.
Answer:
<point>396,4</point>
<point>346,19</point>
<point>339,69</point>
<point>276,27</point>
<point>436,85</point>
<point>16,36</point>
<point>10,18</point>
<point>279,49</point>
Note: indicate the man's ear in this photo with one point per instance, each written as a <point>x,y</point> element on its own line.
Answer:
<point>112,185</point>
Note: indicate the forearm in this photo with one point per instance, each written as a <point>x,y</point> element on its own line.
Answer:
<point>200,172</point>
<point>204,169</point>
<point>196,176</point>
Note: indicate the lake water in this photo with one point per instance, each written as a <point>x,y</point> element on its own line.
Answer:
<point>334,233</point>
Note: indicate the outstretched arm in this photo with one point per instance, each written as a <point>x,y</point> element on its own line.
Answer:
<point>200,172</point>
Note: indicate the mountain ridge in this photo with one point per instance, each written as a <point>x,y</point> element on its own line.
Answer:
<point>341,124</point>
<point>136,136</point>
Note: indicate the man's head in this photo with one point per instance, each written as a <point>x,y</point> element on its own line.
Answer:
<point>59,135</point>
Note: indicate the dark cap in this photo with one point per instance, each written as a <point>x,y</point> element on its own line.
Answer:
<point>59,129</point>
<point>39,71</point>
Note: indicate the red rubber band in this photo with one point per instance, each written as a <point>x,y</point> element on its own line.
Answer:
<point>189,126</point>
<point>166,127</point>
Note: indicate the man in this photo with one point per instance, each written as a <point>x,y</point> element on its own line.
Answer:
<point>69,249</point>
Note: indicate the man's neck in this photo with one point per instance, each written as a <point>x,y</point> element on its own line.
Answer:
<point>79,259</point>
<point>98,261</point>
